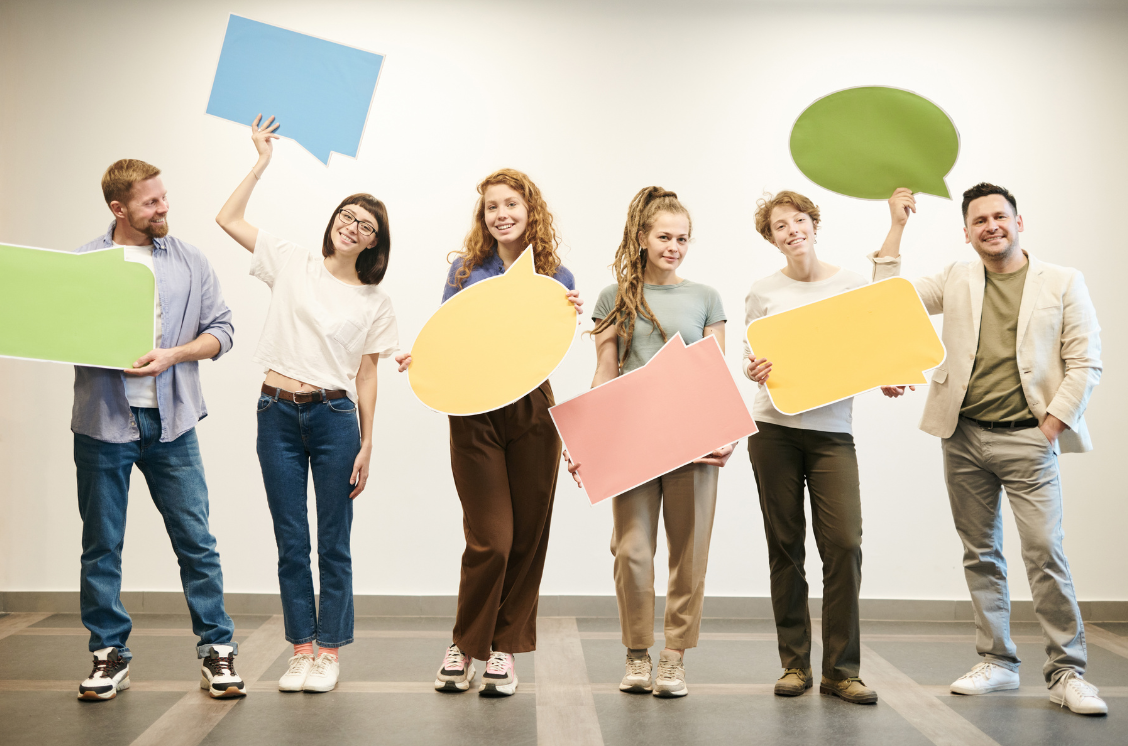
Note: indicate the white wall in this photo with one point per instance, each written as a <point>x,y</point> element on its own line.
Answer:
<point>594,101</point>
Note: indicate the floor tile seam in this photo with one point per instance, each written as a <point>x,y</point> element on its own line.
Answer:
<point>13,622</point>
<point>560,648</point>
<point>192,717</point>
<point>1106,640</point>
<point>927,713</point>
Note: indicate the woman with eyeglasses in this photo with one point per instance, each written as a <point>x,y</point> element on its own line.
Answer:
<point>327,325</point>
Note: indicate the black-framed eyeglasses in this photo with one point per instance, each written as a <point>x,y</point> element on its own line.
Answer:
<point>365,228</point>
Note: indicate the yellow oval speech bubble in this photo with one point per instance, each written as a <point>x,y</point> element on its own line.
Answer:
<point>493,342</point>
<point>832,349</point>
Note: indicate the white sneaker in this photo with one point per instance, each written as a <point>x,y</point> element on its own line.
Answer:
<point>295,677</point>
<point>456,673</point>
<point>637,677</point>
<point>1079,695</point>
<point>323,676</point>
<point>985,677</point>
<point>500,678</point>
<point>217,673</point>
<point>110,676</point>
<point>670,681</point>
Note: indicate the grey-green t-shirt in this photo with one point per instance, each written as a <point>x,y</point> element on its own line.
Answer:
<point>994,393</point>
<point>687,307</point>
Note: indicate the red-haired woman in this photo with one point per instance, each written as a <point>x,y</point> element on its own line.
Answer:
<point>505,462</point>
<point>327,325</point>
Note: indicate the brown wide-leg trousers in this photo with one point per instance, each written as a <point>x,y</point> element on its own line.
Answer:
<point>783,458</point>
<point>505,464</point>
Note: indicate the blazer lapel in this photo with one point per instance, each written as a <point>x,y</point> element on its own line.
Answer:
<point>976,280</point>
<point>1030,290</point>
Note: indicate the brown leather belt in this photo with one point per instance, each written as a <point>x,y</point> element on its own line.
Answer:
<point>303,397</point>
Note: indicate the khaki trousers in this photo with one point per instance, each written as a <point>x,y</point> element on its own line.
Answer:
<point>687,498</point>
<point>783,459</point>
<point>979,465</point>
<point>505,464</point>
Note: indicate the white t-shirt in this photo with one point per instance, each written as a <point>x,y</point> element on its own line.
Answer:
<point>778,293</point>
<point>141,391</point>
<point>317,327</point>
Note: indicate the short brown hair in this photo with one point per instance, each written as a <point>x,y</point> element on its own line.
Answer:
<point>984,189</point>
<point>373,261</point>
<point>118,181</point>
<point>767,203</point>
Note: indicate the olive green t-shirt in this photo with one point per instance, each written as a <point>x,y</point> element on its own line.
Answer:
<point>687,307</point>
<point>994,393</point>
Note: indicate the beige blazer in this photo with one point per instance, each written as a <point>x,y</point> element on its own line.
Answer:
<point>1058,344</point>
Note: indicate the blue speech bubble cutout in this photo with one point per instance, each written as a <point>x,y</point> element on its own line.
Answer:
<point>319,90</point>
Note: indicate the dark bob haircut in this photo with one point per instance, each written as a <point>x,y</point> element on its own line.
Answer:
<point>983,189</point>
<point>372,262</point>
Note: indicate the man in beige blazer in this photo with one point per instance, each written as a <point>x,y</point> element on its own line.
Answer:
<point>1023,356</point>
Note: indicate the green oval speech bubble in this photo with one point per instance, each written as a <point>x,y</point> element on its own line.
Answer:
<point>867,142</point>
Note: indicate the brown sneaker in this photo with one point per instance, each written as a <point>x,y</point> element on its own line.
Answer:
<point>852,690</point>
<point>794,682</point>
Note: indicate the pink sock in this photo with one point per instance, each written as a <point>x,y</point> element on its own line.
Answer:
<point>330,651</point>
<point>305,647</point>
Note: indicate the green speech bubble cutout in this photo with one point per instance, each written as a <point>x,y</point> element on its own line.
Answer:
<point>866,142</point>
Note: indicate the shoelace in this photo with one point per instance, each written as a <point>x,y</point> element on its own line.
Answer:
<point>453,658</point>
<point>321,665</point>
<point>1079,685</point>
<point>223,663</point>
<point>297,663</point>
<point>638,666</point>
<point>498,663</point>
<point>668,669</point>
<point>981,671</point>
<point>797,671</point>
<point>101,667</point>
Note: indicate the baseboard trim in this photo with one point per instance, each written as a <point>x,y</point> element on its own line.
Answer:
<point>731,607</point>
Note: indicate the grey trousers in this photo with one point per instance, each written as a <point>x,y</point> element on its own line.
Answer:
<point>979,464</point>
<point>687,497</point>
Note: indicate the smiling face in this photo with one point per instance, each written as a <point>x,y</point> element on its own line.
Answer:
<point>505,213</point>
<point>147,208</point>
<point>346,236</point>
<point>793,232</point>
<point>992,226</point>
<point>667,242</point>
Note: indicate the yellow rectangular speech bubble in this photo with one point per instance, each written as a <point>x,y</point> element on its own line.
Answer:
<point>842,346</point>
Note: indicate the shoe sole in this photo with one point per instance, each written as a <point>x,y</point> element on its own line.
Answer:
<point>790,692</point>
<point>319,690</point>
<point>988,690</point>
<point>452,685</point>
<point>670,693</point>
<point>96,697</point>
<point>868,700</point>
<point>636,688</point>
<point>228,693</point>
<point>498,690</point>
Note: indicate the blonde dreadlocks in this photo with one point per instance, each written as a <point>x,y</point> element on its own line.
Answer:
<point>630,264</point>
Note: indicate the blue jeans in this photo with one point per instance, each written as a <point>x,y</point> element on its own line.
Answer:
<point>292,440</point>
<point>175,476</point>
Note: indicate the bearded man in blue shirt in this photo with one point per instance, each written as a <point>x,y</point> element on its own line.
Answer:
<point>146,416</point>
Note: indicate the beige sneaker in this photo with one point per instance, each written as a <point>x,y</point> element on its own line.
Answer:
<point>637,678</point>
<point>852,690</point>
<point>794,682</point>
<point>670,681</point>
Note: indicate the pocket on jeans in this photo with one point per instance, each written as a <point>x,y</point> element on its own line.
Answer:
<point>264,403</point>
<point>348,334</point>
<point>344,406</point>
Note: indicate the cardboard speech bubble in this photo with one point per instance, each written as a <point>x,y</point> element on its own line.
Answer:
<point>319,90</point>
<point>842,346</point>
<point>867,142</point>
<point>493,342</point>
<point>678,407</point>
<point>93,309</point>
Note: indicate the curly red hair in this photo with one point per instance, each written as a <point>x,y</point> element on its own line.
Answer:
<point>539,232</point>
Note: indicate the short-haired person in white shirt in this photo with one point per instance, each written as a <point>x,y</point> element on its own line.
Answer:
<point>816,448</point>
<point>327,325</point>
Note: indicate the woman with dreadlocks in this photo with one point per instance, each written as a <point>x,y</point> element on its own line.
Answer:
<point>505,462</point>
<point>648,305</point>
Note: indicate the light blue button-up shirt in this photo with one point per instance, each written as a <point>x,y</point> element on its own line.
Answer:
<point>191,304</point>
<point>492,266</point>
